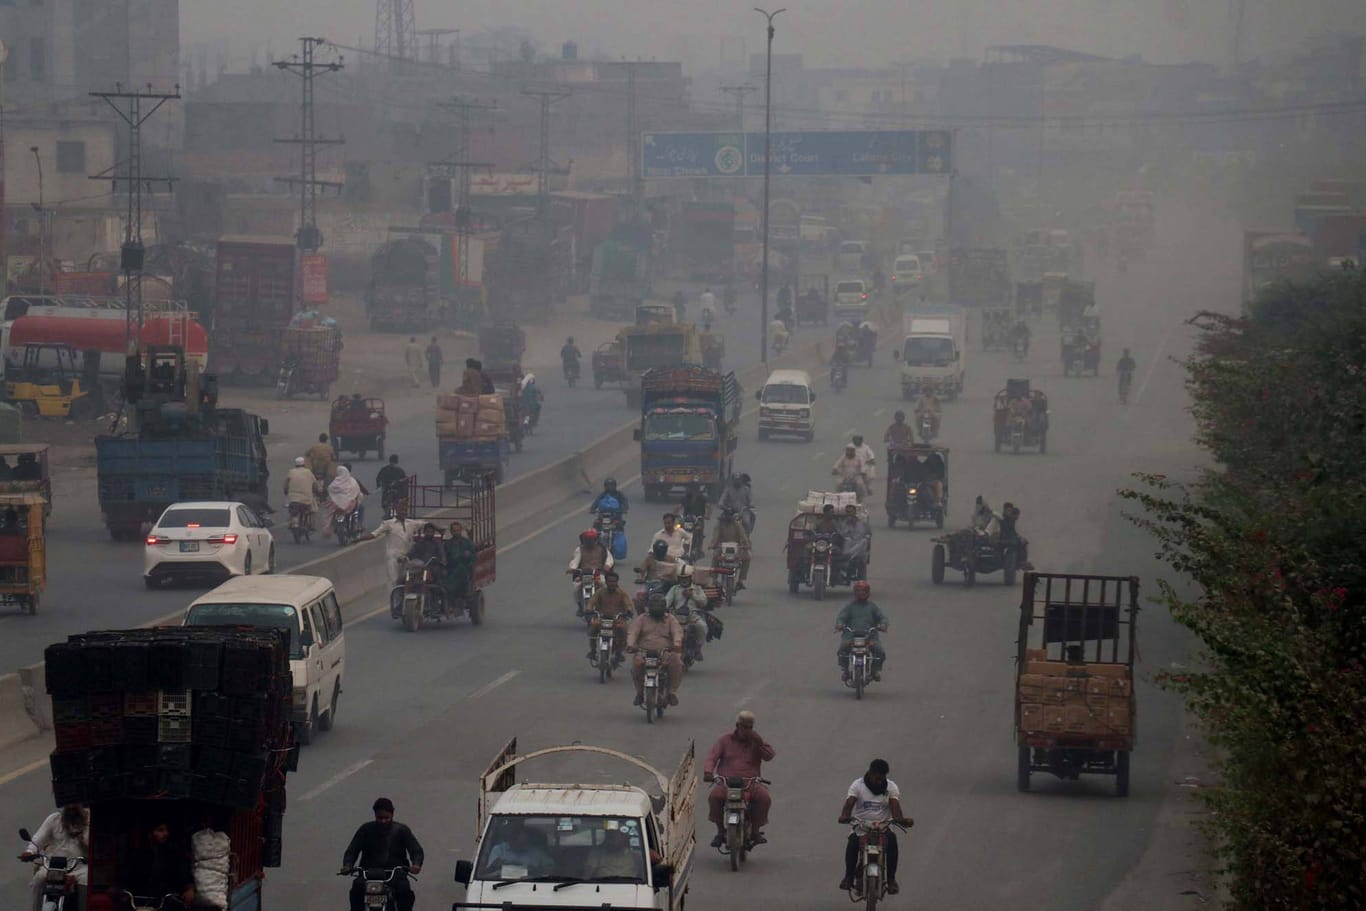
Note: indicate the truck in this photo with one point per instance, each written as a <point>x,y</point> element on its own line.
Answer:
<point>980,276</point>
<point>1270,256</point>
<point>1075,711</point>
<point>254,297</point>
<point>1135,226</point>
<point>932,355</point>
<point>689,429</point>
<point>648,829</point>
<point>707,241</point>
<point>653,343</point>
<point>401,296</point>
<point>187,726</point>
<point>620,280</point>
<point>179,446</point>
<point>471,437</point>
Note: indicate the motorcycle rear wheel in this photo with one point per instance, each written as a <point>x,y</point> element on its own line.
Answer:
<point>818,586</point>
<point>651,697</point>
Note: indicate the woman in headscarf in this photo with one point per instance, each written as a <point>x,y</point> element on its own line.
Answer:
<point>343,495</point>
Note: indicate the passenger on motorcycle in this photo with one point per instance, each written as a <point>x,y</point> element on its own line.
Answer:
<point>872,799</point>
<point>928,403</point>
<point>299,489</point>
<point>686,594</point>
<point>610,499</point>
<point>383,844</point>
<point>858,538</point>
<point>679,541</point>
<point>656,630</point>
<point>591,553</point>
<point>982,514</point>
<point>865,452</point>
<point>849,468</point>
<point>615,607</point>
<point>738,754</point>
<point>65,833</point>
<point>344,496</point>
<point>321,458</point>
<point>899,433</point>
<point>731,530</point>
<point>861,614</point>
<point>460,556</point>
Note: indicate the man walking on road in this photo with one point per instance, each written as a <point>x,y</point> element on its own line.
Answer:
<point>412,356</point>
<point>434,360</point>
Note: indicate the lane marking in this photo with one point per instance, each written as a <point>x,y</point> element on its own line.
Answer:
<point>20,773</point>
<point>818,456</point>
<point>490,687</point>
<point>1152,368</point>
<point>338,778</point>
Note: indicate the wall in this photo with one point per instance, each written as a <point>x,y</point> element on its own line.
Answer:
<point>69,187</point>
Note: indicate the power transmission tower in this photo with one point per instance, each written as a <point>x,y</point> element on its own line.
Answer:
<point>460,166</point>
<point>132,253</point>
<point>738,92</point>
<point>305,66</point>
<point>395,29</point>
<point>547,97</point>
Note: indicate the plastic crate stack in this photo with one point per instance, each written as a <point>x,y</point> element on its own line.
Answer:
<point>174,714</point>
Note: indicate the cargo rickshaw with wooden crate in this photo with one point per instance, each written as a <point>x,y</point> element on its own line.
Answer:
<point>1075,712</point>
<point>312,361</point>
<point>358,425</point>
<point>23,549</point>
<point>430,594</point>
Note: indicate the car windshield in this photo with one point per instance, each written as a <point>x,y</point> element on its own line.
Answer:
<point>197,517</point>
<point>849,288</point>
<point>560,848</point>
<point>266,616</point>
<point>907,265</point>
<point>851,246</point>
<point>679,427</point>
<point>785,394</point>
<point>926,351</point>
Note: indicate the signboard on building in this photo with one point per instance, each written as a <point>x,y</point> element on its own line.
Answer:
<point>313,281</point>
<point>859,153</point>
<point>500,184</point>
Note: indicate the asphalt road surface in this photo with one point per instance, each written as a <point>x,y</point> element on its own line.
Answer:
<point>422,714</point>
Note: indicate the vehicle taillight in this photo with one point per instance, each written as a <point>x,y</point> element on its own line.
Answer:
<point>893,278</point>
<point>864,296</point>
<point>154,540</point>
<point>223,539</point>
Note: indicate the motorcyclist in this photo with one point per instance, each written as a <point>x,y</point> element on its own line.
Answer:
<point>460,554</point>
<point>707,305</point>
<point>570,355</point>
<point>65,833</point>
<point>861,615</point>
<point>398,532</point>
<point>658,565</point>
<point>778,331</point>
<point>729,529</point>
<point>694,502</point>
<point>1019,334</point>
<point>899,433</point>
<point>591,555</point>
<point>384,844</point>
<point>737,495</point>
<point>1010,517</point>
<point>687,595</point>
<point>874,798</point>
<point>389,481</point>
<point>532,398</point>
<point>679,541</point>
<point>928,404</point>
<point>656,630</point>
<point>839,364</point>
<point>846,336</point>
<point>865,452</point>
<point>851,470</point>
<point>614,606</point>
<point>427,546</point>
<point>867,339</point>
<point>610,499</point>
<point>344,496</point>
<point>740,754</point>
<point>322,459</point>
<point>858,538</point>
<point>299,489</point>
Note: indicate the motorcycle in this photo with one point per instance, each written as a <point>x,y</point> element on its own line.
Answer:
<point>839,376</point>
<point>379,890</point>
<point>603,635</point>
<point>727,560</point>
<point>420,594</point>
<point>656,687</point>
<point>870,881</point>
<point>849,485</point>
<point>59,884</point>
<point>301,522</point>
<point>822,565</point>
<point>346,526</point>
<point>924,423</point>
<point>696,527</point>
<point>692,649</point>
<point>571,371</point>
<point>585,586</point>
<point>739,832</point>
<point>857,671</point>
<point>1020,347</point>
<point>1125,381</point>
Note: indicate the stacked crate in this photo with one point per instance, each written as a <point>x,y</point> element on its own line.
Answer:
<point>1087,699</point>
<point>174,714</point>
<point>470,417</point>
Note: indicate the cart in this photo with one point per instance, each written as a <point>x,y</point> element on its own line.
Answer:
<point>27,471</point>
<point>1028,299</point>
<point>609,364</point>
<point>814,553</point>
<point>424,596</point>
<point>917,484</point>
<point>1075,711</point>
<point>501,346</point>
<point>974,551</point>
<point>357,425</point>
<point>312,361</point>
<point>1020,418</point>
<point>23,550</point>
<point>995,327</point>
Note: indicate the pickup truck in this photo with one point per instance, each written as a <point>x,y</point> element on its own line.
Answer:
<point>932,355</point>
<point>605,846</point>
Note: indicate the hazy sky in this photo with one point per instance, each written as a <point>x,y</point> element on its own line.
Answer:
<point>828,32</point>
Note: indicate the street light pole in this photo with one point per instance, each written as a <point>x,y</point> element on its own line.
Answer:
<point>42,226</point>
<point>768,133</point>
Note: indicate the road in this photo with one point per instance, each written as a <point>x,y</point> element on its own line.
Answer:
<point>422,714</point>
<point>96,583</point>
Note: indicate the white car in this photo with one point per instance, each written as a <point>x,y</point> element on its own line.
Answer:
<point>214,540</point>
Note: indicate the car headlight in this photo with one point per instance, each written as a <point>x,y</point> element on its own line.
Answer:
<point>804,413</point>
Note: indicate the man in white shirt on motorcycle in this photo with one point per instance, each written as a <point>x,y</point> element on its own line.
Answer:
<point>65,833</point>
<point>873,799</point>
<point>851,470</point>
<point>679,541</point>
<point>707,303</point>
<point>865,452</point>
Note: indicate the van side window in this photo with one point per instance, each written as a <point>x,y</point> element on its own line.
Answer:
<point>332,613</point>
<point>324,634</point>
<point>307,627</point>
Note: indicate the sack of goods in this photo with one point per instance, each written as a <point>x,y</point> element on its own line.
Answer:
<point>470,417</point>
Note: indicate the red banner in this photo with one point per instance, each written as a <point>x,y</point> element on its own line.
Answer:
<point>313,273</point>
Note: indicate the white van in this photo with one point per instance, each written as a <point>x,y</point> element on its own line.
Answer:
<point>907,273</point>
<point>785,405</point>
<point>307,607</point>
<point>852,256</point>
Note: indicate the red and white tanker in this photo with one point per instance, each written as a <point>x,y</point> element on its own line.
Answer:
<point>103,330</point>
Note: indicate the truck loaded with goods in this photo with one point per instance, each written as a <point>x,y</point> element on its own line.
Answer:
<point>402,294</point>
<point>183,727</point>
<point>254,299</point>
<point>312,356</point>
<point>471,436</point>
<point>689,429</point>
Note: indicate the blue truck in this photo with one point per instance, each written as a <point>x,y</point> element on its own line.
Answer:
<point>689,420</point>
<point>461,460</point>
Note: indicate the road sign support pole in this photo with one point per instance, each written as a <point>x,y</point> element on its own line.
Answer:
<point>768,157</point>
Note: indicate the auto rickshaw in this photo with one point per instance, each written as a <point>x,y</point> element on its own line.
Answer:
<point>815,553</point>
<point>917,484</point>
<point>609,364</point>
<point>23,469</point>
<point>358,425</point>
<point>23,550</point>
<point>812,307</point>
<point>1020,417</point>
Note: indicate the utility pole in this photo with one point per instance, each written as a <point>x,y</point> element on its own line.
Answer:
<point>738,92</point>
<point>633,142</point>
<point>768,158</point>
<point>546,97</point>
<point>433,36</point>
<point>42,226</point>
<point>132,253</point>
<point>305,65</point>
<point>460,165</point>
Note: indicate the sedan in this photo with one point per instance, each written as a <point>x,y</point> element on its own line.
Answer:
<point>208,540</point>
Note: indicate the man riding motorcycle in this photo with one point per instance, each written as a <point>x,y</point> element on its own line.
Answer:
<point>384,844</point>
<point>928,404</point>
<point>389,482</point>
<point>731,530</point>
<point>687,595</point>
<point>861,614</point>
<point>899,433</point>
<point>839,366</point>
<point>614,606</point>
<point>739,754</point>
<point>299,490</point>
<point>679,541</point>
<point>857,539</point>
<point>591,555</point>
<point>873,799</point>
<point>1019,335</point>
<point>656,630</point>
<point>65,833</point>
<point>321,458</point>
<point>570,355</point>
<point>610,499</point>
<point>851,470</point>
<point>865,452</point>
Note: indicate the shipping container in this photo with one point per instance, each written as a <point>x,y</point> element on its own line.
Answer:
<point>255,295</point>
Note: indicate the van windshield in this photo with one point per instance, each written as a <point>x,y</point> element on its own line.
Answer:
<point>785,394</point>
<point>558,848</point>
<point>928,351</point>
<point>849,288</point>
<point>851,246</point>
<point>267,616</point>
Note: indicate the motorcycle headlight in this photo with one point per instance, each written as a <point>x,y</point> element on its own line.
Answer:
<point>910,492</point>
<point>822,545</point>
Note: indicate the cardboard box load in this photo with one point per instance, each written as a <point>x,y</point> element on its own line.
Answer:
<point>470,417</point>
<point>1076,699</point>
